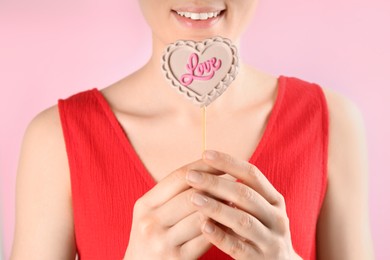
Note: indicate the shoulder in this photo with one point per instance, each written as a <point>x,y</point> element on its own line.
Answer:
<point>44,132</point>
<point>43,156</point>
<point>43,153</point>
<point>347,151</point>
<point>343,111</point>
<point>346,129</point>
<point>47,118</point>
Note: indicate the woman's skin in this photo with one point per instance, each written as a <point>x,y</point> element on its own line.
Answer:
<point>168,127</point>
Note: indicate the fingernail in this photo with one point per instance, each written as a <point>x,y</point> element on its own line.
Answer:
<point>195,177</point>
<point>210,155</point>
<point>208,228</point>
<point>198,199</point>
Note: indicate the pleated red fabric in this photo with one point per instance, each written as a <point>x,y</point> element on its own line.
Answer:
<point>107,176</point>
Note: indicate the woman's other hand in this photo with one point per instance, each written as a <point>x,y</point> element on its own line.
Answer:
<point>254,223</point>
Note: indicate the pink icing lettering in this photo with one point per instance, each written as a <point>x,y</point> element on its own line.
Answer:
<point>200,71</point>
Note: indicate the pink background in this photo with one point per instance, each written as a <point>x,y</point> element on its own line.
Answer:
<point>51,49</point>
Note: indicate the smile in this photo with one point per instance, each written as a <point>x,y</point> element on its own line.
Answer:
<point>199,16</point>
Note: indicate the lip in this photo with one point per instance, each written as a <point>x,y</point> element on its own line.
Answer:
<point>198,24</point>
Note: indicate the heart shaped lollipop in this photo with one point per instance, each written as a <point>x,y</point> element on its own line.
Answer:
<point>201,71</point>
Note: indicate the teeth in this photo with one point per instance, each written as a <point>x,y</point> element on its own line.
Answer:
<point>199,16</point>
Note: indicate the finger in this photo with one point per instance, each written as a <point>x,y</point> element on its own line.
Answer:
<point>231,245</point>
<point>242,223</point>
<point>195,248</point>
<point>176,209</point>
<point>173,184</point>
<point>242,196</point>
<point>243,171</point>
<point>186,229</point>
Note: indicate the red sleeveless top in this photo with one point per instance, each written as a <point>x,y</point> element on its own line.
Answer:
<point>107,176</point>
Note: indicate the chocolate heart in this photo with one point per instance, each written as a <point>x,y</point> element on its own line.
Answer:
<point>201,71</point>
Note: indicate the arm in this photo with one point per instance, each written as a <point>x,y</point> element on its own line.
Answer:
<point>44,221</point>
<point>343,227</point>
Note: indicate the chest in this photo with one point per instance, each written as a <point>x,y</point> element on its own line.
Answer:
<point>166,144</point>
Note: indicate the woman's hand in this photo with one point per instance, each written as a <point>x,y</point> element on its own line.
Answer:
<point>254,223</point>
<point>166,225</point>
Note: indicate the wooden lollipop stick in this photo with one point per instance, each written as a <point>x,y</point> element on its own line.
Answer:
<point>203,129</point>
<point>201,76</point>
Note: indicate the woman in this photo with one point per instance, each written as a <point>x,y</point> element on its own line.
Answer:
<point>117,173</point>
